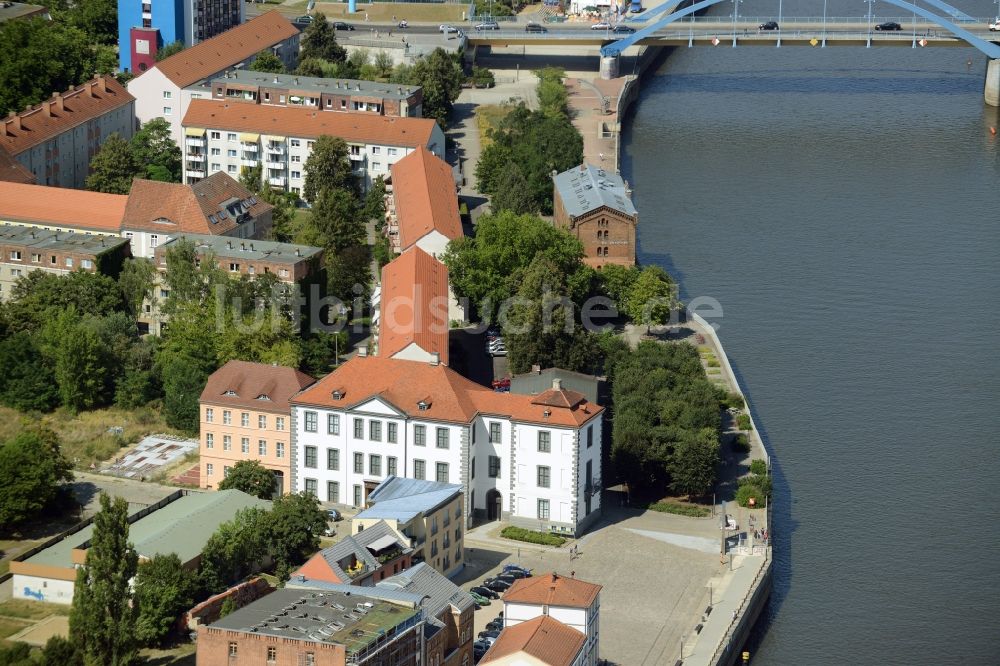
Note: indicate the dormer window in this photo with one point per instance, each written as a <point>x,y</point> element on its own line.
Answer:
<point>547,413</point>
<point>423,405</point>
<point>263,396</point>
<point>338,394</point>
<point>230,392</point>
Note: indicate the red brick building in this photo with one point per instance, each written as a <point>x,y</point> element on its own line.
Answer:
<point>596,206</point>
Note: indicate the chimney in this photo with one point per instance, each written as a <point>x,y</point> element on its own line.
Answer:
<point>251,247</point>
<point>47,108</point>
<point>243,247</point>
<point>58,100</point>
<point>557,384</point>
<point>13,121</point>
<point>537,369</point>
<point>583,168</point>
<point>229,245</point>
<point>89,87</point>
<point>362,351</point>
<point>555,576</point>
<point>298,252</point>
<point>435,358</point>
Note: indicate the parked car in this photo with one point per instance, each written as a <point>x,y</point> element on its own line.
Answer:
<point>623,30</point>
<point>447,29</point>
<point>505,577</point>
<point>489,633</point>
<point>494,625</point>
<point>303,20</point>
<point>516,574</point>
<point>485,592</point>
<point>340,25</point>
<point>480,599</point>
<point>535,27</point>
<point>888,26</point>
<point>995,26</point>
<point>481,645</point>
<point>603,25</point>
<point>770,25</point>
<point>487,25</point>
<point>403,24</point>
<point>496,585</point>
<point>334,515</point>
<point>517,567</point>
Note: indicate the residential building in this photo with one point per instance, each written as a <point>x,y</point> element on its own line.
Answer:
<point>412,303</point>
<point>344,95</point>
<point>144,27</point>
<point>573,602</point>
<point>362,559</point>
<point>19,10</point>
<point>538,381</point>
<point>61,209</point>
<point>426,514</point>
<point>12,171</point>
<point>447,610</point>
<point>422,204</point>
<point>235,135</point>
<point>541,641</point>
<point>24,249</point>
<point>532,460</point>
<point>217,206</point>
<point>56,140</point>
<point>596,206</point>
<point>166,89</point>
<point>180,524</point>
<point>295,626</point>
<point>245,416</point>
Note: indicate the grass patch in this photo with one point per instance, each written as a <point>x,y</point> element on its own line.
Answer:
<point>31,610</point>
<point>84,436</point>
<point>10,627</point>
<point>690,510</point>
<point>179,655</point>
<point>531,536</point>
<point>488,117</point>
<point>384,11</point>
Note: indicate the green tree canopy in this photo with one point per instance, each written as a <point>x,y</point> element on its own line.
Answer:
<point>552,95</point>
<point>328,168</point>
<point>102,621</point>
<point>136,283</point>
<point>440,75</point>
<point>113,167</point>
<point>173,48</point>
<point>235,549</point>
<point>320,41</point>
<point>163,591</point>
<point>38,294</point>
<point>27,381</point>
<point>252,478</point>
<point>155,153</point>
<point>31,469</point>
<point>512,192</point>
<point>651,297</point>
<point>266,61</point>
<point>295,524</point>
<point>337,221</point>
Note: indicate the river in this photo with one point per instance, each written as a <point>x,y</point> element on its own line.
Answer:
<point>841,205</point>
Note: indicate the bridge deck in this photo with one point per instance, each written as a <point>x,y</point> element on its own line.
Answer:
<point>683,37</point>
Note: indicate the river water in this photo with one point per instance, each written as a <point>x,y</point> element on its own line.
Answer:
<point>841,205</point>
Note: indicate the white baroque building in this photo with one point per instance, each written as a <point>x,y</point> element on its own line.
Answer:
<point>532,460</point>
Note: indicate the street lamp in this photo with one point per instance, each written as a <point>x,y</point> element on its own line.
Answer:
<point>870,7</point>
<point>736,11</point>
<point>779,25</point>
<point>823,44</point>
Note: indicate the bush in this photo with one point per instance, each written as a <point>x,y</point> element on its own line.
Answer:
<point>758,466</point>
<point>743,422</point>
<point>741,443</point>
<point>733,400</point>
<point>748,490</point>
<point>531,536</point>
<point>762,482</point>
<point>680,509</point>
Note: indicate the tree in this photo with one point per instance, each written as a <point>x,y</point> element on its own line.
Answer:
<point>139,383</point>
<point>266,61</point>
<point>512,192</point>
<point>40,56</point>
<point>252,478</point>
<point>136,283</point>
<point>173,48</point>
<point>374,207</point>
<point>236,549</point>
<point>113,167</point>
<point>651,297</point>
<point>163,590</point>
<point>483,77</point>
<point>441,76</point>
<point>337,221</point>
<point>692,467</point>
<point>295,524</point>
<point>328,167</point>
<point>31,469</point>
<point>617,281</point>
<point>312,67</point>
<point>552,95</point>
<point>102,621</point>
<point>250,177</point>
<point>182,386</point>
<point>320,41</point>
<point>97,18</point>
<point>38,294</point>
<point>60,651</point>
<point>349,275</point>
<point>383,64</point>
<point>81,361</point>
<point>155,152</point>
<point>27,382</point>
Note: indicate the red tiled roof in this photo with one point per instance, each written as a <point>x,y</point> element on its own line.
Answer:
<point>414,305</point>
<point>308,123</point>
<point>549,641</point>
<point>552,590</point>
<point>46,120</point>
<point>173,207</point>
<point>448,395</point>
<point>249,381</point>
<point>423,188</point>
<point>62,207</point>
<point>12,171</point>
<point>235,45</point>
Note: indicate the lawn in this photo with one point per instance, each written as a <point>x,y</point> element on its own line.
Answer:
<point>31,610</point>
<point>384,11</point>
<point>84,436</point>
<point>10,627</point>
<point>488,116</point>
<point>179,655</point>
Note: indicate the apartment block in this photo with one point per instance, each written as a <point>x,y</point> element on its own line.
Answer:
<point>232,136</point>
<point>26,249</point>
<point>56,140</point>
<point>532,460</point>
<point>344,95</point>
<point>61,209</point>
<point>144,27</point>
<point>166,88</point>
<point>422,204</point>
<point>596,206</point>
<point>245,416</point>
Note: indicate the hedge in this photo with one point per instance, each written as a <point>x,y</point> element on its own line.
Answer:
<point>531,536</point>
<point>680,509</point>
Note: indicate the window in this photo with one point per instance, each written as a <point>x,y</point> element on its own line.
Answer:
<point>227,417</point>
<point>376,150</point>
<point>167,94</point>
<point>262,447</point>
<point>231,168</point>
<point>216,151</point>
<point>375,430</point>
<point>279,449</point>
<point>15,255</point>
<point>209,440</point>
<point>167,111</point>
<point>441,475</point>
<point>442,438</point>
<point>590,435</point>
<point>232,649</point>
<point>215,166</point>
<point>543,476</point>
<point>310,144</point>
<point>311,487</point>
<point>261,422</point>
<point>296,174</point>
<point>357,495</point>
<point>36,258</point>
<point>333,424</point>
<point>225,471</point>
<point>419,435</point>
<point>390,434</point>
<point>390,466</point>
<point>244,445</point>
<point>209,469</point>
<point>310,424</point>
<point>245,419</point>
<point>393,151</point>
<point>472,468</point>
<point>419,470</point>
<point>272,653</point>
<point>231,153</point>
<point>295,143</point>
<point>332,491</point>
<point>296,158</point>
<point>310,457</point>
<point>376,165</point>
<point>69,262</point>
<point>231,136</point>
<point>494,467</point>
<point>333,459</point>
<point>359,463</point>
<point>209,415</point>
<point>215,135</point>
<point>227,443</point>
<point>279,423</point>
<point>495,436</point>
<point>544,441</point>
<point>87,263</point>
<point>543,509</point>
<point>375,465</point>
<point>359,428</point>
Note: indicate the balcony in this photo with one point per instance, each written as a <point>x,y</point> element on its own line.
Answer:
<point>195,141</point>
<point>280,166</point>
<point>249,162</point>
<point>196,173</point>
<point>195,157</point>
<point>249,147</point>
<point>279,181</point>
<point>277,148</point>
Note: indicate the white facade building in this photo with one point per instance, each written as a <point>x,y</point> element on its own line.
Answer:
<point>523,458</point>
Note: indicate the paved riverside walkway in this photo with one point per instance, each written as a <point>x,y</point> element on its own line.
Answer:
<point>585,101</point>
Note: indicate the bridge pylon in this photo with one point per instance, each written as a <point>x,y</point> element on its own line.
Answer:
<point>991,89</point>
<point>609,67</point>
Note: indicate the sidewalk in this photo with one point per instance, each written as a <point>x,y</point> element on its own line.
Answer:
<point>585,100</point>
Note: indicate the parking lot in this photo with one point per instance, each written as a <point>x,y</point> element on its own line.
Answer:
<point>655,569</point>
